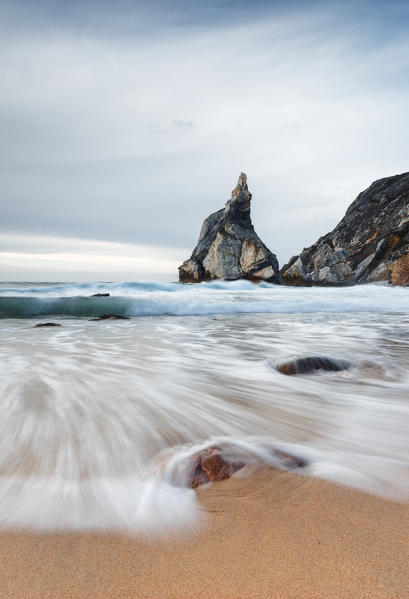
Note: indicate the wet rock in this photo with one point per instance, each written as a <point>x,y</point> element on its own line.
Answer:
<point>370,244</point>
<point>311,364</point>
<point>47,324</point>
<point>228,246</point>
<point>100,295</point>
<point>109,317</point>
<point>211,466</point>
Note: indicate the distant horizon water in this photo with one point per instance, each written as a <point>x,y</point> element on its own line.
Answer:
<point>89,277</point>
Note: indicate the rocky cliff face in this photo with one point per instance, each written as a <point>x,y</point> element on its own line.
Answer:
<point>228,247</point>
<point>371,243</point>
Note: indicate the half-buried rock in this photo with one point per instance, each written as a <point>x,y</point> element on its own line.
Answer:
<point>212,465</point>
<point>47,324</point>
<point>228,246</point>
<point>311,364</point>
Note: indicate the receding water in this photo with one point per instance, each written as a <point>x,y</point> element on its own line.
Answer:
<point>98,419</point>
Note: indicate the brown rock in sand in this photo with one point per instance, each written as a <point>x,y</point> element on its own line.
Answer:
<point>211,466</point>
<point>47,324</point>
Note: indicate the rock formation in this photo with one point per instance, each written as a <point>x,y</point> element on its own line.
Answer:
<point>371,243</point>
<point>228,247</point>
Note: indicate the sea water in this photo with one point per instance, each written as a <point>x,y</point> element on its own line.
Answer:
<point>99,419</point>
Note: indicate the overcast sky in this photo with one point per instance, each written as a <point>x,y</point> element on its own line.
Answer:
<point>124,124</point>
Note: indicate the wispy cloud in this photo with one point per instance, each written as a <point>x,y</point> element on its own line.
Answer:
<point>136,138</point>
<point>73,257</point>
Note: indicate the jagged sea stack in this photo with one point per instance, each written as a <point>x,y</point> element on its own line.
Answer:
<point>228,246</point>
<point>371,243</point>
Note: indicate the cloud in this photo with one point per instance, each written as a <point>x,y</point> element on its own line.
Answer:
<point>75,257</point>
<point>137,134</point>
<point>176,127</point>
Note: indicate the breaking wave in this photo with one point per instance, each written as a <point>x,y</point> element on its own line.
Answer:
<point>155,299</point>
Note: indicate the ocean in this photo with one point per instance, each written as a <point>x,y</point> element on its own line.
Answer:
<point>99,419</point>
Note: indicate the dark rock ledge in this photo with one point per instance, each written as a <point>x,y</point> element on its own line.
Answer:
<point>109,317</point>
<point>370,244</point>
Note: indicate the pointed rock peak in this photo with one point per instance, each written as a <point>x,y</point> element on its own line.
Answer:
<point>242,181</point>
<point>241,191</point>
<point>238,207</point>
<point>228,246</point>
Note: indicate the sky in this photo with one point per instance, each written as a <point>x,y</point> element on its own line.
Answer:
<point>123,125</point>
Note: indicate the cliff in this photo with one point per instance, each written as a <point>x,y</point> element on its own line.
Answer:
<point>371,243</point>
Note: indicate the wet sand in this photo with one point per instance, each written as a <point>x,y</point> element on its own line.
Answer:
<point>275,535</point>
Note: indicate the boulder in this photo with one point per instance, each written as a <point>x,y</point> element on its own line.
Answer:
<point>371,243</point>
<point>47,324</point>
<point>228,246</point>
<point>311,364</point>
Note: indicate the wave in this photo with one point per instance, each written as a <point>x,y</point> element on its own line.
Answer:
<point>159,500</point>
<point>122,288</point>
<point>276,301</point>
<point>98,422</point>
<point>72,289</point>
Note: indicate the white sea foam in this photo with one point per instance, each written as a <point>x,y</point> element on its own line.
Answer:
<point>98,421</point>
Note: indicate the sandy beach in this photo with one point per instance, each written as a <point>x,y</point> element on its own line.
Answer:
<point>204,299</point>
<point>274,535</point>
